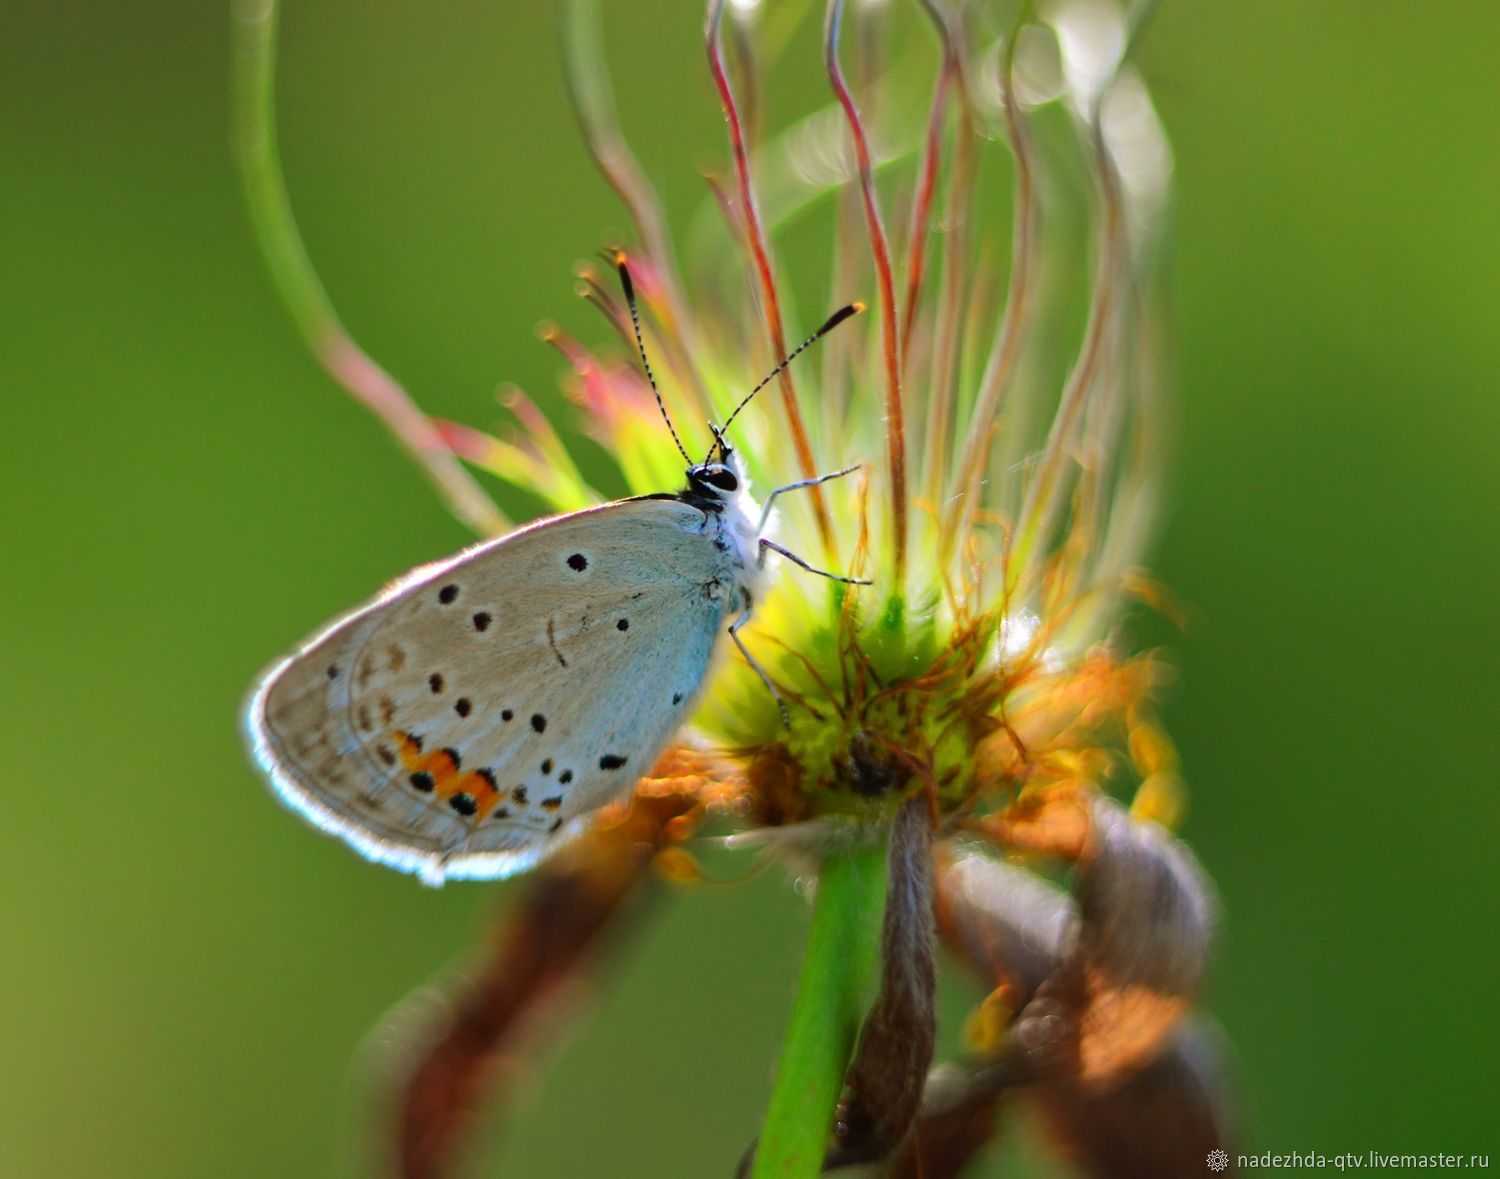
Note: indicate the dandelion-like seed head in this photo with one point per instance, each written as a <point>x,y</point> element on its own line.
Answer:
<point>995,193</point>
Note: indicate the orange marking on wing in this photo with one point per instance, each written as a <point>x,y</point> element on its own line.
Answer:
<point>481,789</point>
<point>408,747</point>
<point>446,780</point>
<point>439,764</point>
<point>444,770</point>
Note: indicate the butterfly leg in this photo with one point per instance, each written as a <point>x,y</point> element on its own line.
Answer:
<point>765,512</point>
<point>734,633</point>
<point>796,560</point>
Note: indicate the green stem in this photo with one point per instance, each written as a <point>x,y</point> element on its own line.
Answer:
<point>837,972</point>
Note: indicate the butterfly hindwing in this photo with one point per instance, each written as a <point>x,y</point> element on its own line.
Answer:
<point>473,714</point>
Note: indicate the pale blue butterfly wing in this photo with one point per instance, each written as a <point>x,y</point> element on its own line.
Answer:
<point>475,714</point>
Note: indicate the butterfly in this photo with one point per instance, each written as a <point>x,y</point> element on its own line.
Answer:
<point>474,715</point>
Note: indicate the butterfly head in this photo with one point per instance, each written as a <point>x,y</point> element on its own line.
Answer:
<point>717,480</point>
<point>715,483</point>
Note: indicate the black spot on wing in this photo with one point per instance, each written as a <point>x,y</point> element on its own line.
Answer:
<point>611,761</point>
<point>538,722</point>
<point>578,562</point>
<point>482,620</point>
<point>422,781</point>
<point>448,594</point>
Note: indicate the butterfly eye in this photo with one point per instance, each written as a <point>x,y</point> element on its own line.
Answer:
<point>723,479</point>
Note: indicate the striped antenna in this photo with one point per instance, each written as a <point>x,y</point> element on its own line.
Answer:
<point>829,324</point>
<point>623,266</point>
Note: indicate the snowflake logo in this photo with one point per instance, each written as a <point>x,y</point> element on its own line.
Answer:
<point>1218,1160</point>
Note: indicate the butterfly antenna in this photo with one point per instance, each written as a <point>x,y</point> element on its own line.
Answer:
<point>635,322</point>
<point>829,324</point>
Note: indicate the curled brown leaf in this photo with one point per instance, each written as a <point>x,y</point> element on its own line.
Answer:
<point>1100,980</point>
<point>884,1083</point>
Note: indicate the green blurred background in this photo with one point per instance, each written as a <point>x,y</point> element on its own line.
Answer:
<point>197,985</point>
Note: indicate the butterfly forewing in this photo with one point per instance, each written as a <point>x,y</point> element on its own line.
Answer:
<point>471,716</point>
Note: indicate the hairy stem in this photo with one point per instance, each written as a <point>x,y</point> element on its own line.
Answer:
<point>297,281</point>
<point>837,970</point>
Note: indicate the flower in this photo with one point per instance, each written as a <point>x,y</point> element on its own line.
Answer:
<point>1000,203</point>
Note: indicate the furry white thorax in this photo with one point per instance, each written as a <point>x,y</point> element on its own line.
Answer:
<point>730,522</point>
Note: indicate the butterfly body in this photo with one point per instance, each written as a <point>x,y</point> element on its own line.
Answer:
<point>478,712</point>
<point>473,715</point>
